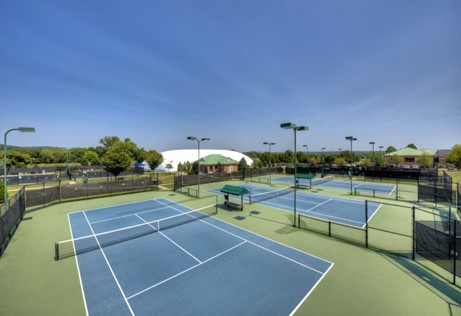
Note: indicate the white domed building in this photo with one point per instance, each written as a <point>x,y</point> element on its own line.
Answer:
<point>174,157</point>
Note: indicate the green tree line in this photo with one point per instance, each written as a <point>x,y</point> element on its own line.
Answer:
<point>113,154</point>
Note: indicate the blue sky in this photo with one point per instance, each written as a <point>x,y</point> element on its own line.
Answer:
<point>158,71</point>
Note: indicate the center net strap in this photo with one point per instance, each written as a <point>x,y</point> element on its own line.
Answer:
<point>76,246</point>
<point>259,197</point>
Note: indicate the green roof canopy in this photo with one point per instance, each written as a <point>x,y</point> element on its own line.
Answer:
<point>304,176</point>
<point>217,160</point>
<point>234,190</point>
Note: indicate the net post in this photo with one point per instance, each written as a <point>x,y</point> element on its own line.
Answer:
<point>366,223</point>
<point>329,228</point>
<point>216,205</point>
<point>413,255</point>
<point>56,251</point>
<point>299,220</point>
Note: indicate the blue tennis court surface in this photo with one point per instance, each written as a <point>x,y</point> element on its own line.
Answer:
<point>380,188</point>
<point>342,211</point>
<point>200,266</point>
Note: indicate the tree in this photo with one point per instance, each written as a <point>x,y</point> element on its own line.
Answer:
<point>454,157</point>
<point>18,159</point>
<point>287,157</point>
<point>109,141</point>
<point>77,154</point>
<point>242,165</point>
<point>396,160</point>
<point>60,156</point>
<point>412,146</point>
<point>2,193</point>
<point>90,158</point>
<point>154,159</point>
<point>424,160</point>
<point>366,162</point>
<point>340,161</point>
<point>46,156</point>
<point>379,160</point>
<point>390,149</point>
<point>116,161</point>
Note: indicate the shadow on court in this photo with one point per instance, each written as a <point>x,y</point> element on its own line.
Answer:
<point>437,286</point>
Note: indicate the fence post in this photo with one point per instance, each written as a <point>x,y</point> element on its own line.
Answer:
<point>414,233</point>
<point>44,194</point>
<point>366,223</point>
<point>60,190</point>
<point>455,254</point>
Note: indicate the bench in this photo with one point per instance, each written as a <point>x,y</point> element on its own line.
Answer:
<point>233,205</point>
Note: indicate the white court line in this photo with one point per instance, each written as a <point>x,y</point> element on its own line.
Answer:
<point>110,268</point>
<point>116,205</point>
<point>376,211</point>
<point>173,242</point>
<point>128,215</point>
<point>310,291</point>
<point>78,266</point>
<point>331,216</point>
<point>254,244</point>
<point>182,272</point>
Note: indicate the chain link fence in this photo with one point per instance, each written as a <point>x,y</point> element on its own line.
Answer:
<point>12,213</point>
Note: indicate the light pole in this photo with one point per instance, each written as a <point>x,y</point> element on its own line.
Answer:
<point>373,158</point>
<point>270,159</point>
<point>295,128</point>
<point>323,170</point>
<point>351,138</point>
<point>22,130</point>
<point>198,161</point>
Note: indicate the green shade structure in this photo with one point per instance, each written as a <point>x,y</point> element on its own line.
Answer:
<point>22,130</point>
<point>295,128</point>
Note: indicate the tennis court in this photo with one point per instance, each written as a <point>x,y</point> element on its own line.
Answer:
<point>342,211</point>
<point>380,188</point>
<point>159,257</point>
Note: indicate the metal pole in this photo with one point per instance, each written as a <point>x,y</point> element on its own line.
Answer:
<point>366,223</point>
<point>198,167</point>
<point>5,196</point>
<point>295,128</point>
<point>323,162</point>
<point>22,130</point>
<point>352,157</point>
<point>454,252</point>
<point>373,159</point>
<point>414,233</point>
<point>294,180</point>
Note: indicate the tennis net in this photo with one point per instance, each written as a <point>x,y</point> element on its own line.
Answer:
<point>259,197</point>
<point>322,180</point>
<point>80,245</point>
